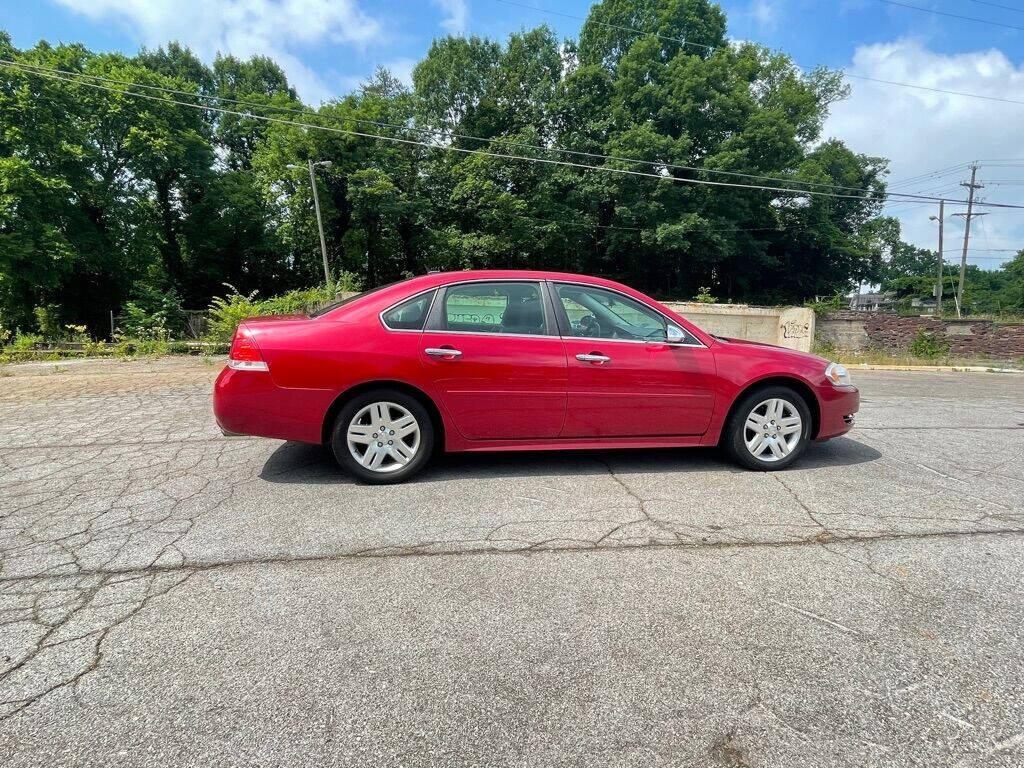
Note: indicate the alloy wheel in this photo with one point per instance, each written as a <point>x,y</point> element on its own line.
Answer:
<point>383,437</point>
<point>773,429</point>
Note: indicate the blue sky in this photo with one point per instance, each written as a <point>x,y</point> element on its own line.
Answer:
<point>329,46</point>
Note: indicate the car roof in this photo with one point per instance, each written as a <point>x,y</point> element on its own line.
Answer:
<point>432,279</point>
<point>374,300</point>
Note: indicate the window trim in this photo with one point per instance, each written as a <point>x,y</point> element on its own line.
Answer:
<point>556,321</point>
<point>426,316</point>
<point>565,327</point>
<point>437,313</point>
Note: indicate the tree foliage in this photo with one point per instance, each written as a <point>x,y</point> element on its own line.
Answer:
<point>109,197</point>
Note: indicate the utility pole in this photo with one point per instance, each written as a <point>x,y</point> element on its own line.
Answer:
<point>971,186</point>
<point>938,288</point>
<point>316,206</point>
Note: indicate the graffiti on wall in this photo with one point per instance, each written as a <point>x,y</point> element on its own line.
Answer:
<point>794,329</point>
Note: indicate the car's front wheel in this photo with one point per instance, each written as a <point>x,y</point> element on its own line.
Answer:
<point>768,429</point>
<point>383,436</point>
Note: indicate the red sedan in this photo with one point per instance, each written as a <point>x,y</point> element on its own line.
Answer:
<point>515,360</point>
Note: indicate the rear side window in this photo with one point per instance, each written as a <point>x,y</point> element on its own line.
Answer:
<point>411,314</point>
<point>500,307</point>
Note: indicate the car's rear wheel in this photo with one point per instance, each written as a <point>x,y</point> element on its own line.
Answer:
<point>769,429</point>
<point>383,436</point>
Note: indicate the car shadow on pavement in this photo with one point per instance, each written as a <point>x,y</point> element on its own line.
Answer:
<point>302,463</point>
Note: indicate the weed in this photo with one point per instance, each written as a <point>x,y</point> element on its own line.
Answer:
<point>928,345</point>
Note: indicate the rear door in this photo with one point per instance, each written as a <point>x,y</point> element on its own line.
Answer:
<point>624,378</point>
<point>496,360</point>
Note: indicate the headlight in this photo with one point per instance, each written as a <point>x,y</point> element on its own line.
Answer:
<point>838,375</point>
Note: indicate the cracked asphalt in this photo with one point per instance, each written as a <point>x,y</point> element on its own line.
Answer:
<point>172,597</point>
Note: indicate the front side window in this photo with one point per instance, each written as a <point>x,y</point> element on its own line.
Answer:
<point>596,313</point>
<point>410,314</point>
<point>500,307</point>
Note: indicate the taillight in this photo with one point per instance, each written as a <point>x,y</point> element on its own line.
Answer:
<point>245,355</point>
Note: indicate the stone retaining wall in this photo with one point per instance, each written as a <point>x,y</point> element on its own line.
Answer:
<point>893,333</point>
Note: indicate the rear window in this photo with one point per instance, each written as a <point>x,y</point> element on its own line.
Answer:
<point>348,300</point>
<point>411,314</point>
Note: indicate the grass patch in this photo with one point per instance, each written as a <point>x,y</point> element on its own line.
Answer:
<point>878,357</point>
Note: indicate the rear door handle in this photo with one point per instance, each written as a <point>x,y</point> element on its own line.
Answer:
<point>442,352</point>
<point>593,358</point>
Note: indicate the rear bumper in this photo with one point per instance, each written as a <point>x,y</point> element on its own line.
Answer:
<point>249,403</point>
<point>839,406</point>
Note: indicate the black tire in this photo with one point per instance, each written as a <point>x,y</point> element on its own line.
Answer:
<point>339,437</point>
<point>734,435</point>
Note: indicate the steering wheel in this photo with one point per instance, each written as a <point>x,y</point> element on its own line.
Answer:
<point>588,326</point>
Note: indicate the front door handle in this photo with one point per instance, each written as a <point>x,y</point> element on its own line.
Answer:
<point>442,352</point>
<point>593,358</point>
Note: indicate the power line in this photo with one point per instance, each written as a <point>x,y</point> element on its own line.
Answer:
<point>435,132</point>
<point>997,5</point>
<point>935,90</point>
<point>65,76</point>
<point>928,176</point>
<point>952,15</point>
<point>61,76</point>
<point>398,140</point>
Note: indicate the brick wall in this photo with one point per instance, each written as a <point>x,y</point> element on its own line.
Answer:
<point>892,333</point>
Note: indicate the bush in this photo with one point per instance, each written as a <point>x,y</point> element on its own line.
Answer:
<point>25,341</point>
<point>127,347</point>
<point>48,320</point>
<point>22,347</point>
<point>226,312</point>
<point>704,296</point>
<point>826,306</point>
<point>138,323</point>
<point>153,308</point>
<point>95,349</point>
<point>295,302</point>
<point>928,345</point>
<point>77,334</point>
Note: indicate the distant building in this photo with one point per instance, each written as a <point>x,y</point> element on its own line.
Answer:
<point>927,306</point>
<point>871,302</point>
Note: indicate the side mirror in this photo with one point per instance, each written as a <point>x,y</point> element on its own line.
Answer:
<point>674,335</point>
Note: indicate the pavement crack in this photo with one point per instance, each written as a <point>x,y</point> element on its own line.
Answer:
<point>430,549</point>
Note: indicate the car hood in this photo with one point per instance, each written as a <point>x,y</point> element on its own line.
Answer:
<point>791,354</point>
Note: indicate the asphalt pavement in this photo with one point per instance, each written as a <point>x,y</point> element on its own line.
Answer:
<point>169,596</point>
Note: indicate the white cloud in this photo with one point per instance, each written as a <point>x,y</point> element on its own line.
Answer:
<point>401,68</point>
<point>766,13</point>
<point>922,131</point>
<point>456,15</point>
<point>275,28</point>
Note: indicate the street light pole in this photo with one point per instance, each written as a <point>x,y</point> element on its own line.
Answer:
<point>316,206</point>
<point>319,222</point>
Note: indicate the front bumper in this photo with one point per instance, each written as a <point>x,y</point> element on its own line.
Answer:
<point>839,406</point>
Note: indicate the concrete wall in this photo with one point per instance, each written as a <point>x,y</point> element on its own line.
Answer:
<point>791,327</point>
<point>893,333</point>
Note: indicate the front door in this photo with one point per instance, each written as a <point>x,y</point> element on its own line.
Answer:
<point>624,379</point>
<point>496,361</point>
